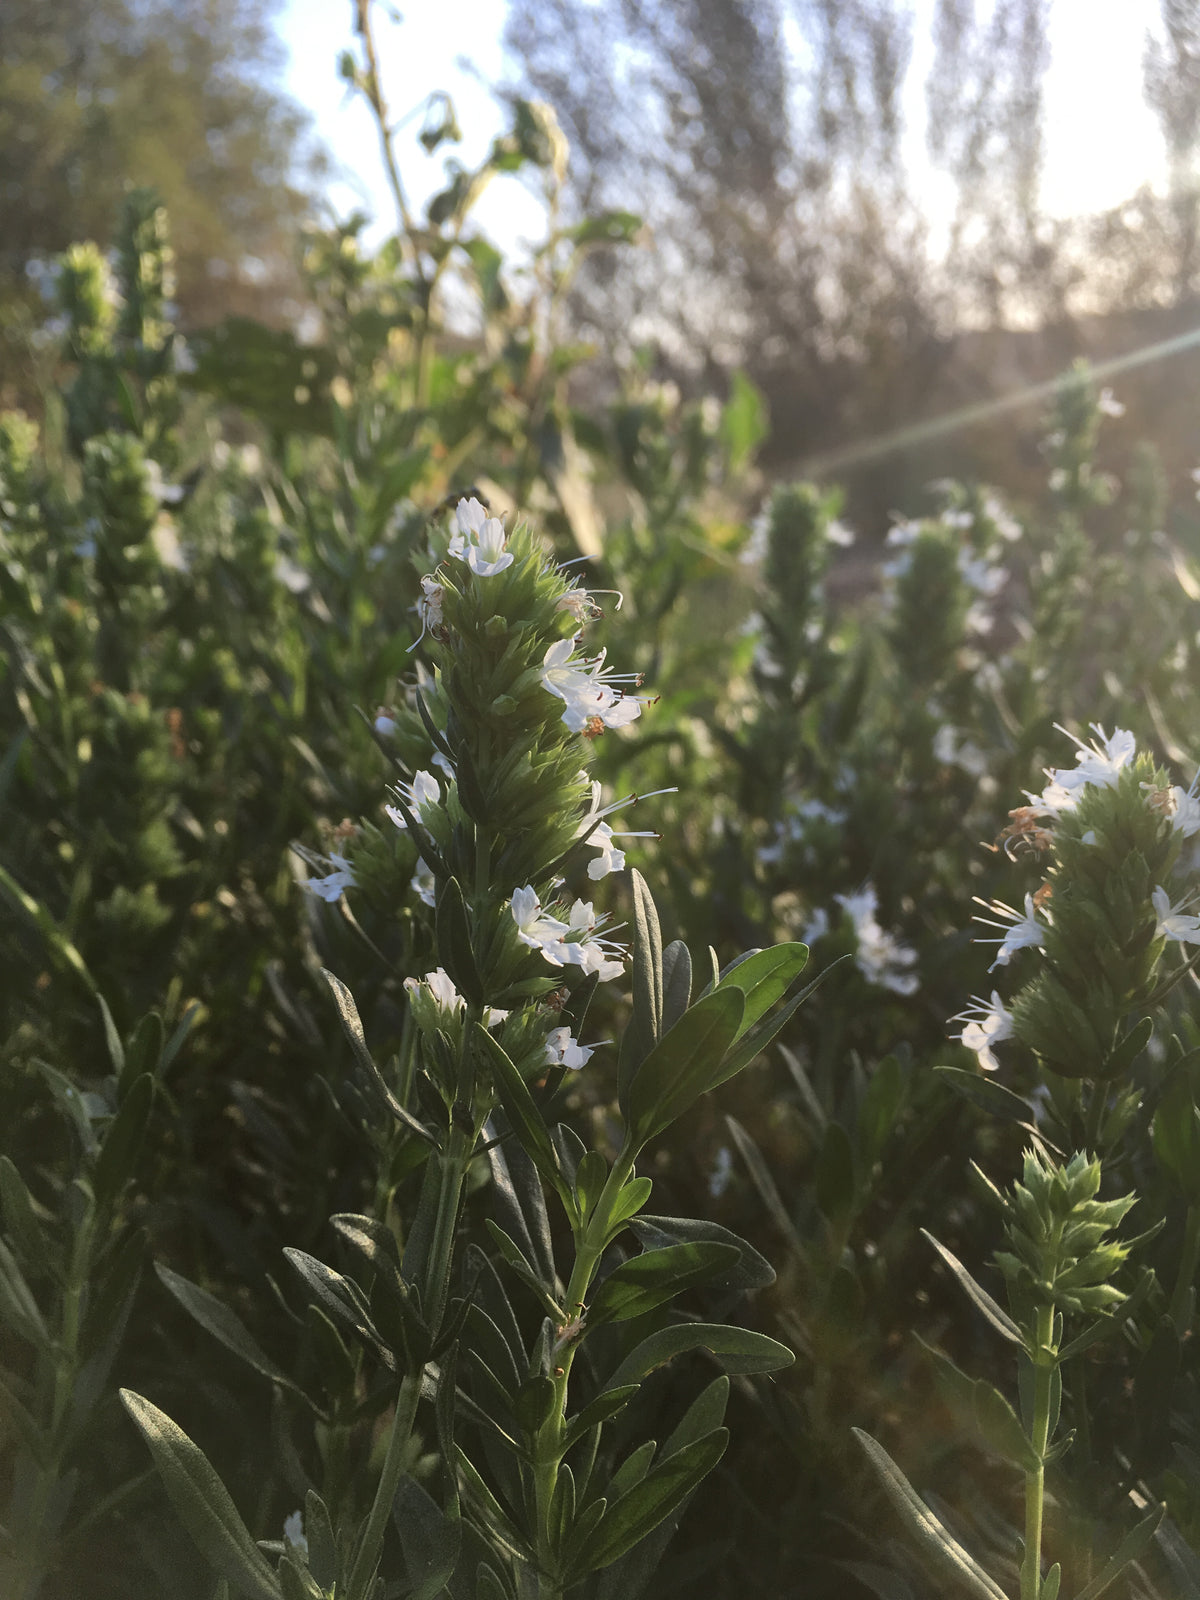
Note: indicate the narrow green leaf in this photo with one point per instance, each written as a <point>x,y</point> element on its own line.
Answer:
<point>430,1539</point>
<point>752,1270</point>
<point>56,941</point>
<point>18,1307</point>
<point>760,1175</point>
<point>637,1512</point>
<point>353,1029</point>
<point>1001,1427</point>
<point>656,1276</point>
<point>646,1025</point>
<point>1050,1583</point>
<point>123,1140</point>
<point>202,1502</point>
<point>677,982</point>
<point>987,1095</point>
<point>604,1406</point>
<point>20,1218</point>
<point>929,1532</point>
<point>764,976</point>
<point>225,1326</point>
<point>999,1319</point>
<point>736,1350</point>
<point>1130,1548</point>
<point>452,933</point>
<point>116,1050</point>
<point>521,1111</point>
<point>685,1063</point>
<point>629,1202</point>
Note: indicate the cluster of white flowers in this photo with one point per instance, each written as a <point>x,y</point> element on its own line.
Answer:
<point>882,958</point>
<point>479,540</point>
<point>589,690</point>
<point>577,942</point>
<point>1098,763</point>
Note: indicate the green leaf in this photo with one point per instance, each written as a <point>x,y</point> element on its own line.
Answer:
<point>640,1509</point>
<point>736,1350</point>
<point>987,1095</point>
<point>764,976</point>
<point>452,933</point>
<point>768,1193</point>
<point>535,1402</point>
<point>143,1054</point>
<point>322,1546</point>
<point>646,1025</point>
<point>1050,1583</point>
<point>835,1185</point>
<point>56,941</point>
<point>604,1406</point>
<point>524,1116</point>
<point>656,1276</point>
<point>999,1319</point>
<point>353,1029</point>
<point>705,1414</point>
<point>685,1063</point>
<point>743,422</point>
<point>933,1537</point>
<point>1129,1549</point>
<point>1001,1427</point>
<point>225,1326</point>
<point>20,1218</point>
<point>341,1297</point>
<point>522,1206</point>
<point>880,1107</point>
<point>628,1203</point>
<point>17,1304</point>
<point>430,1539</point>
<point>202,1502</point>
<point>116,1050</point>
<point>677,982</point>
<point>752,1270</point>
<point>123,1140</point>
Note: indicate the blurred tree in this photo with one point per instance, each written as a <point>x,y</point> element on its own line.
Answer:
<point>99,95</point>
<point>1171,76</point>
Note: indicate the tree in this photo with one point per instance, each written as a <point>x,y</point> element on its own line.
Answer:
<point>99,95</point>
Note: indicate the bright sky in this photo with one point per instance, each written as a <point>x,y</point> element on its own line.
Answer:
<point>1101,139</point>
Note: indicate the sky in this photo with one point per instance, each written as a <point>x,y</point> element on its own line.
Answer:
<point>1102,141</point>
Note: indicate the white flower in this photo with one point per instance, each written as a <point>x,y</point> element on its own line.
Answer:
<point>1173,922</point>
<point>979,573</point>
<point>881,956</point>
<point>1108,406</point>
<point>423,883</point>
<point>385,724</point>
<point>293,1532</point>
<point>441,987</point>
<point>1024,933</point>
<point>816,927</point>
<point>291,575</point>
<point>588,689</point>
<point>1185,815</point>
<point>600,834</point>
<point>1005,524</point>
<point>421,792</point>
<point>838,533</point>
<point>332,887</point>
<point>534,928</point>
<point>429,608</point>
<point>987,1023</point>
<point>902,532</point>
<point>947,749</point>
<point>564,1051</point>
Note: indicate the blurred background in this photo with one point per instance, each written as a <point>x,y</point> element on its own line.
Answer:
<point>882,211</point>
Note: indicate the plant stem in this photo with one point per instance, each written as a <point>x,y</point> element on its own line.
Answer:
<point>1188,1258</point>
<point>591,1238</point>
<point>363,1573</point>
<point>1035,1481</point>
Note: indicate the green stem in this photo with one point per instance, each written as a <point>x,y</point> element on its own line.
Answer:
<point>1035,1480</point>
<point>1188,1258</point>
<point>590,1241</point>
<point>363,1574</point>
